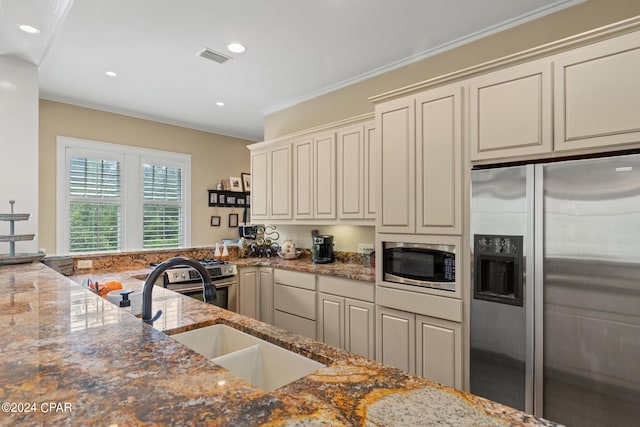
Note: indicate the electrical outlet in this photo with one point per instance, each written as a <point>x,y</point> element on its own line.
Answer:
<point>365,248</point>
<point>85,263</point>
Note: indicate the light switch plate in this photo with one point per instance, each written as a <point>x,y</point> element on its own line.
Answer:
<point>85,263</point>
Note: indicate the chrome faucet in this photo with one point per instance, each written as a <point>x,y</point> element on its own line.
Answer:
<point>208,290</point>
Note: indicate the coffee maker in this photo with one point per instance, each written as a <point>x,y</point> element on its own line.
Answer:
<point>322,248</point>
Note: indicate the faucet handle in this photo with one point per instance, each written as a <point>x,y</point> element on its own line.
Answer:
<point>157,316</point>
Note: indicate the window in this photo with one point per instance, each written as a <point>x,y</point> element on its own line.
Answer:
<point>114,197</point>
<point>162,210</point>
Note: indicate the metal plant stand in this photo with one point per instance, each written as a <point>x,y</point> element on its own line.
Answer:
<point>12,238</point>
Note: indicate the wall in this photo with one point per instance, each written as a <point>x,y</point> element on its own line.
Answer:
<point>353,100</point>
<point>19,148</point>
<point>345,237</point>
<point>213,157</point>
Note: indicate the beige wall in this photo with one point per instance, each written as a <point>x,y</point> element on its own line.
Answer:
<point>213,157</point>
<point>353,100</point>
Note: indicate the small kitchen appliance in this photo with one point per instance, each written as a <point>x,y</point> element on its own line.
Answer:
<point>322,248</point>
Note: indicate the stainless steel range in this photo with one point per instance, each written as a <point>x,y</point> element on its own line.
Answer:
<point>186,280</point>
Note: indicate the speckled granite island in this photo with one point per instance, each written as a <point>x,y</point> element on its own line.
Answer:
<point>69,357</point>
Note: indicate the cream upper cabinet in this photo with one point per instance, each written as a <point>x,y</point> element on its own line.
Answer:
<point>439,161</point>
<point>351,173</point>
<point>303,179</point>
<point>370,170</point>
<point>510,112</point>
<point>260,184</point>
<point>396,183</point>
<point>597,88</point>
<point>271,171</point>
<point>420,164</point>
<point>324,170</point>
<point>280,188</point>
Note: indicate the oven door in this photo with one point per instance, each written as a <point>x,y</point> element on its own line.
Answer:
<point>226,291</point>
<point>222,296</point>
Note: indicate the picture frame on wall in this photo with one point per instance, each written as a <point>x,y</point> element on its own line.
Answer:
<point>233,220</point>
<point>235,183</point>
<point>231,200</point>
<point>215,221</point>
<point>221,199</point>
<point>246,182</point>
<point>213,198</point>
<point>240,201</point>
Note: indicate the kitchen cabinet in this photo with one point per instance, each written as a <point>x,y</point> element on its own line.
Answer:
<point>420,165</point>
<point>303,179</point>
<point>324,180</point>
<point>330,177</point>
<point>294,302</point>
<point>439,350</point>
<point>395,124</point>
<point>351,172</point>
<point>248,279</point>
<point>271,171</point>
<point>422,345</point>
<point>439,161</point>
<point>396,338</point>
<point>511,111</point>
<point>596,94</point>
<point>346,314</point>
<point>265,294</point>
<point>370,170</point>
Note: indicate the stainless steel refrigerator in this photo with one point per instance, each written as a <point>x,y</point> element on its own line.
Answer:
<point>555,301</point>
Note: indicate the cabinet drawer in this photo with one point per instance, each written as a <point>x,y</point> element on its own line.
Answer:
<point>357,289</point>
<point>300,302</point>
<point>295,279</point>
<point>297,325</point>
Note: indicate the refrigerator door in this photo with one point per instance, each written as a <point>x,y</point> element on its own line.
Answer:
<point>591,314</point>
<point>501,333</point>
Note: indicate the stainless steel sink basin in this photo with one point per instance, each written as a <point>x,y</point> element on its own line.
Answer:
<point>261,363</point>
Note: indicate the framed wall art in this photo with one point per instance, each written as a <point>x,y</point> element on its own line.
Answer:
<point>233,220</point>
<point>215,221</point>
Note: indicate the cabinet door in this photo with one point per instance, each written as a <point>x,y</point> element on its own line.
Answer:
<point>247,290</point>
<point>510,112</point>
<point>596,94</point>
<point>280,183</point>
<point>370,169</point>
<point>259,185</point>
<point>331,320</point>
<point>395,125</point>
<point>265,293</point>
<point>439,161</point>
<point>324,182</point>
<point>359,328</point>
<point>396,338</point>
<point>439,351</point>
<point>350,145</point>
<point>303,179</point>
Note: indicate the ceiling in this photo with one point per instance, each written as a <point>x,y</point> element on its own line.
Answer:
<point>296,50</point>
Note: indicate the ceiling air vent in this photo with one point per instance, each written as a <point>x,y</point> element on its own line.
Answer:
<point>214,56</point>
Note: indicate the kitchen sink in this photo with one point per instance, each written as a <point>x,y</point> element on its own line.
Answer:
<point>261,363</point>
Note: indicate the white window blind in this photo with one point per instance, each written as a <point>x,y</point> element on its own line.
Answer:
<point>94,204</point>
<point>162,206</point>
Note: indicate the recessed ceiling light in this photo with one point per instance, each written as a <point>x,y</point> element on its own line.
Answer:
<point>111,73</point>
<point>29,29</point>
<point>236,47</point>
<point>220,104</point>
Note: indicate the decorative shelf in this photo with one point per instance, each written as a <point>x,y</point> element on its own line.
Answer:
<point>12,257</point>
<point>229,199</point>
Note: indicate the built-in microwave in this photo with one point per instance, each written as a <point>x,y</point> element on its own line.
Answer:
<point>422,265</point>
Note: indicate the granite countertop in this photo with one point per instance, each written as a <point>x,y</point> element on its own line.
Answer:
<point>340,269</point>
<point>69,357</point>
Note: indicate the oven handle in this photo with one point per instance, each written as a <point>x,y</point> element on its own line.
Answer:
<point>224,284</point>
